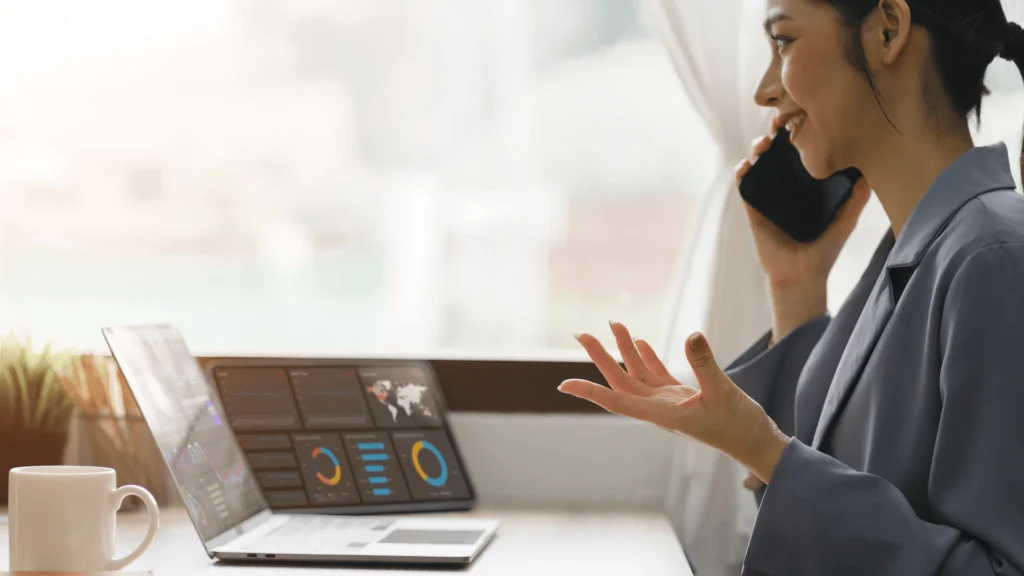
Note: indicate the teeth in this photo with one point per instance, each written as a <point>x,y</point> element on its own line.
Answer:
<point>795,121</point>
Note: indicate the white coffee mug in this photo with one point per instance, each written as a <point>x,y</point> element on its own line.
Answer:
<point>62,518</point>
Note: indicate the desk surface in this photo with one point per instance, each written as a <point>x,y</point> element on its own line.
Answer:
<point>529,543</point>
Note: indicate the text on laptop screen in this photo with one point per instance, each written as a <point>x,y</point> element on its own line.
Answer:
<point>203,457</point>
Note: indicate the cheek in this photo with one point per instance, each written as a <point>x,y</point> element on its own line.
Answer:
<point>819,85</point>
<point>811,80</point>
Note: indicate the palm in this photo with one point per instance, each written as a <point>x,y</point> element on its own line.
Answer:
<point>718,414</point>
<point>672,395</point>
<point>787,261</point>
<point>646,386</point>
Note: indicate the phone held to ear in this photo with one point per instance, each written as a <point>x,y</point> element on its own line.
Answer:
<point>779,187</point>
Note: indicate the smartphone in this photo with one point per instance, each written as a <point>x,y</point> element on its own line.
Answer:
<point>779,187</point>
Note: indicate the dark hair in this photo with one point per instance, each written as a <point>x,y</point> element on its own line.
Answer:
<point>966,36</point>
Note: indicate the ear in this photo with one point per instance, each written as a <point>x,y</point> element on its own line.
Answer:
<point>887,30</point>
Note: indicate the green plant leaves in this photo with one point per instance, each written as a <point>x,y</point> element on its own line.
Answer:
<point>31,395</point>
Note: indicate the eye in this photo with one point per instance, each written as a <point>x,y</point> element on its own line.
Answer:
<point>781,41</point>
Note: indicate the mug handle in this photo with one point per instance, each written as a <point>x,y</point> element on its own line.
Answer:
<point>152,510</point>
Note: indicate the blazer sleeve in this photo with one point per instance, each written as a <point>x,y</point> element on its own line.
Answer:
<point>819,516</point>
<point>769,375</point>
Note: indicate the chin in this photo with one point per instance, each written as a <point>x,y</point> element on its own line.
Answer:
<point>815,165</point>
<point>816,156</point>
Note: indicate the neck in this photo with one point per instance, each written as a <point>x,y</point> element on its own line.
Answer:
<point>902,168</point>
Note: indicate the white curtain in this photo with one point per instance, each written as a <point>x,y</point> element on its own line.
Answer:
<point>719,50</point>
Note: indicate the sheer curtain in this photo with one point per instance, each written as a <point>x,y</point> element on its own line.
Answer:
<point>719,52</point>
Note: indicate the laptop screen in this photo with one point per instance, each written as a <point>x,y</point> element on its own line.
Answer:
<point>204,458</point>
<point>343,436</point>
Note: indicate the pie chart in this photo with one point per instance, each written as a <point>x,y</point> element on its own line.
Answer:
<point>417,450</point>
<point>324,451</point>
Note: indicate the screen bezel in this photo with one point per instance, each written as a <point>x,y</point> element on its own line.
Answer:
<point>285,363</point>
<point>243,526</point>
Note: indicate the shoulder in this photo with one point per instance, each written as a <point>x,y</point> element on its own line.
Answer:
<point>985,241</point>
<point>989,227</point>
<point>1003,211</point>
<point>980,296</point>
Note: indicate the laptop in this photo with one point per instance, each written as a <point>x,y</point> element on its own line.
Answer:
<point>221,493</point>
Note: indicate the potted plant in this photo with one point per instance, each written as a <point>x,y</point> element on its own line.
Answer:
<point>34,409</point>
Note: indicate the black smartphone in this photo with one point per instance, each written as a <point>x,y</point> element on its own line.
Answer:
<point>779,187</point>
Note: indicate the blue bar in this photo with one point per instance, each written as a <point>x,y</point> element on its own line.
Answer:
<point>381,491</point>
<point>371,445</point>
<point>374,468</point>
<point>374,457</point>
<point>378,480</point>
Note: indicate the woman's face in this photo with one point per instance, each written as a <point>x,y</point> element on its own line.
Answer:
<point>826,103</point>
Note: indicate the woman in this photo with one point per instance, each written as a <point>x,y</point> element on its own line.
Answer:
<point>891,437</point>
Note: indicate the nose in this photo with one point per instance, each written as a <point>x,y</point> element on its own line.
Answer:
<point>770,91</point>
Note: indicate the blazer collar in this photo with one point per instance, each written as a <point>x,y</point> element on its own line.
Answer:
<point>981,169</point>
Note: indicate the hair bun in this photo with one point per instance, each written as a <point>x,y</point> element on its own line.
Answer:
<point>1013,46</point>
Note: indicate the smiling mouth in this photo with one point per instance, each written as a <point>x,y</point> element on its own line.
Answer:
<point>794,123</point>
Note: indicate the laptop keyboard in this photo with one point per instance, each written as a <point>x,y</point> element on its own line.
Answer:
<point>320,534</point>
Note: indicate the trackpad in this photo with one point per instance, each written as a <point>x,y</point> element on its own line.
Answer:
<point>456,537</point>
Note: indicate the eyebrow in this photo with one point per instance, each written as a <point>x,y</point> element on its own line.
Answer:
<point>775,16</point>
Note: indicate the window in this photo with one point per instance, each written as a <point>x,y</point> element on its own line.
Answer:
<point>367,176</point>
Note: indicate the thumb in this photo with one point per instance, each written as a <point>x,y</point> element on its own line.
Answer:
<point>850,213</point>
<point>713,382</point>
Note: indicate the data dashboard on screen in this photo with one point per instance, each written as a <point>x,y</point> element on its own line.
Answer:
<point>348,437</point>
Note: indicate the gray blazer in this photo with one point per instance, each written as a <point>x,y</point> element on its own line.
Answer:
<point>907,408</point>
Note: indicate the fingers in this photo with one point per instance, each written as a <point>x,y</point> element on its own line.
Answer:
<point>714,384</point>
<point>616,402</point>
<point>610,369</point>
<point>761,224</point>
<point>850,213</point>
<point>752,483</point>
<point>758,146</point>
<point>740,170</point>
<point>654,364</point>
<point>630,357</point>
<point>861,194</point>
<point>643,365</point>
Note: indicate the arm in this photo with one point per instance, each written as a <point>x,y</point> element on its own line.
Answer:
<point>819,516</point>
<point>769,374</point>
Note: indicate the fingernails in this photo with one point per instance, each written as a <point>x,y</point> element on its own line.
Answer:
<point>697,341</point>
<point>560,387</point>
<point>612,322</point>
<point>576,336</point>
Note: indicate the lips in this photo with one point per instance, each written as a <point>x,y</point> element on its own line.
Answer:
<point>792,121</point>
<point>795,122</point>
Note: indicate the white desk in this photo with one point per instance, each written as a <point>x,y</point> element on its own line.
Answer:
<point>529,543</point>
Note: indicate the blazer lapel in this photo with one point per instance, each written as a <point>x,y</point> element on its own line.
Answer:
<point>866,332</point>
<point>979,170</point>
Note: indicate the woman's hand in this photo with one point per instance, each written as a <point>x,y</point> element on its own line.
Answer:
<point>719,414</point>
<point>798,272</point>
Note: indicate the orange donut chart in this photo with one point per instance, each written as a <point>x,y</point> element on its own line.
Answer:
<point>334,460</point>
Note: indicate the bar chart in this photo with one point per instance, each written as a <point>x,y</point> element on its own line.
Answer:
<point>377,472</point>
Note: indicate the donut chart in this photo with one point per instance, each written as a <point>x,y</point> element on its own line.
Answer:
<point>198,514</point>
<point>436,481</point>
<point>333,480</point>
